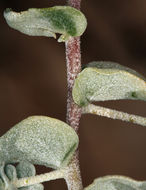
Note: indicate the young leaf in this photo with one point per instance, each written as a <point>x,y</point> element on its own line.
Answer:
<point>5,183</point>
<point>116,183</point>
<point>10,171</point>
<point>39,140</point>
<point>102,81</point>
<point>64,20</point>
<point>25,169</point>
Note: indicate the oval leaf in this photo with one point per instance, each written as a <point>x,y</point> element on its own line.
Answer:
<point>39,140</point>
<point>64,20</point>
<point>10,171</point>
<point>116,183</point>
<point>5,183</point>
<point>25,169</point>
<point>102,81</point>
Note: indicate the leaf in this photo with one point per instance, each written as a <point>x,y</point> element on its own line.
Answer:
<point>64,20</point>
<point>10,171</point>
<point>9,174</point>
<point>116,183</point>
<point>39,140</point>
<point>112,65</point>
<point>25,169</point>
<point>5,183</point>
<point>102,81</point>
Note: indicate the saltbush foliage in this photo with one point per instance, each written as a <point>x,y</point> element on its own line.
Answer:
<point>50,142</point>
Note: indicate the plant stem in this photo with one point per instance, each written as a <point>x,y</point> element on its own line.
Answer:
<point>114,114</point>
<point>74,3</point>
<point>73,179</point>
<point>73,63</point>
<point>57,174</point>
<point>73,58</point>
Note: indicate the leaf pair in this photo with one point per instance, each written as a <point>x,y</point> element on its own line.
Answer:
<point>9,174</point>
<point>64,20</point>
<point>116,183</point>
<point>39,140</point>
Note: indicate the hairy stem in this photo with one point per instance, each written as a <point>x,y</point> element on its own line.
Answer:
<point>73,58</point>
<point>73,63</point>
<point>57,174</point>
<point>74,3</point>
<point>114,114</point>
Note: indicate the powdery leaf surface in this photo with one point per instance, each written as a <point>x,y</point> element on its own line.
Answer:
<point>25,169</point>
<point>39,140</point>
<point>116,183</point>
<point>102,81</point>
<point>64,20</point>
<point>10,172</point>
<point>5,179</point>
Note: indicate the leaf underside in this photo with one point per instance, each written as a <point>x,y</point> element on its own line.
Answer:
<point>64,20</point>
<point>102,81</point>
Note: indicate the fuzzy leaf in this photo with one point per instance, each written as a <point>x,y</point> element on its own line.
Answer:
<point>5,183</point>
<point>64,20</point>
<point>39,140</point>
<point>102,81</point>
<point>116,183</point>
<point>10,171</point>
<point>25,169</point>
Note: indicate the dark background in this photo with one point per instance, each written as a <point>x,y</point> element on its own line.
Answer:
<point>33,82</point>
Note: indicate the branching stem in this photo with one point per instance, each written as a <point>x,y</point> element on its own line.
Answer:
<point>106,112</point>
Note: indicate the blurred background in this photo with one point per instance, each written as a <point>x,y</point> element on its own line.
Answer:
<point>33,82</point>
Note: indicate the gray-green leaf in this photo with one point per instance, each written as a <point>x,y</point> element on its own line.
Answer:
<point>25,169</point>
<point>5,183</point>
<point>116,183</point>
<point>64,20</point>
<point>10,171</point>
<point>40,140</point>
<point>102,81</point>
